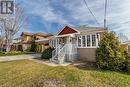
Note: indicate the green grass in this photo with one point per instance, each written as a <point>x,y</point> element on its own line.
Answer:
<point>27,73</point>
<point>12,53</point>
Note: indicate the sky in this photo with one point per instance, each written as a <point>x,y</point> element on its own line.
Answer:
<point>50,16</point>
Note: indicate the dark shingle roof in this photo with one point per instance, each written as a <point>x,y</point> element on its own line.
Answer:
<point>26,33</point>
<point>41,34</point>
<point>86,29</point>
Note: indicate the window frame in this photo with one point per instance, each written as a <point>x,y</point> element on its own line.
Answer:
<point>84,42</point>
<point>97,40</point>
<point>79,37</point>
<point>94,42</point>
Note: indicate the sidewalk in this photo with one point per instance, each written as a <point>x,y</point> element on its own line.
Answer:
<point>32,57</point>
<point>19,57</point>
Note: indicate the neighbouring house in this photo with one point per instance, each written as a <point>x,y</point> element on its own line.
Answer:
<point>42,41</point>
<point>25,41</point>
<point>126,46</point>
<point>2,44</point>
<point>16,44</point>
<point>73,43</point>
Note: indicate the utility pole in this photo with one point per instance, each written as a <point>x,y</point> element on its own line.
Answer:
<point>105,22</point>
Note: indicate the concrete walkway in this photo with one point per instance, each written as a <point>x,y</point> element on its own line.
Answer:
<point>19,57</point>
<point>32,57</point>
<point>49,63</point>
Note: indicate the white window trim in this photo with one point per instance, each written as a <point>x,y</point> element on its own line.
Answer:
<point>85,40</point>
<point>90,40</point>
<point>79,37</point>
<point>81,41</point>
<point>96,40</point>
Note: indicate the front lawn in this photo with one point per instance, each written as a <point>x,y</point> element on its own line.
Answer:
<point>27,73</point>
<point>13,53</point>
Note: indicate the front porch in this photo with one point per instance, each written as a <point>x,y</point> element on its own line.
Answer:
<point>65,48</point>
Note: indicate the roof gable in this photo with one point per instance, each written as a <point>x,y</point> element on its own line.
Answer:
<point>26,33</point>
<point>67,30</point>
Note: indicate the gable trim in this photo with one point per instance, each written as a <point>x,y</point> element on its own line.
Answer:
<point>69,27</point>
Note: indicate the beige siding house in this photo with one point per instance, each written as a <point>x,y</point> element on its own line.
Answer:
<point>25,41</point>
<point>75,44</point>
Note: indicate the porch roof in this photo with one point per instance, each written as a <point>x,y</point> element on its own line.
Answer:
<point>42,40</point>
<point>65,35</point>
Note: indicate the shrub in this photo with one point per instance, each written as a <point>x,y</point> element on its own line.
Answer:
<point>33,46</point>
<point>39,48</point>
<point>28,49</point>
<point>47,53</point>
<point>109,55</point>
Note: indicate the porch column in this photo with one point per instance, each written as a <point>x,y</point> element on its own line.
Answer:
<point>55,42</point>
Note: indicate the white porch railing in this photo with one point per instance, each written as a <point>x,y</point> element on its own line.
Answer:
<point>61,55</point>
<point>64,53</point>
<point>55,52</point>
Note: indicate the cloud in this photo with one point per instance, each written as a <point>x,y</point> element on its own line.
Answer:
<point>118,13</point>
<point>74,12</point>
<point>43,9</point>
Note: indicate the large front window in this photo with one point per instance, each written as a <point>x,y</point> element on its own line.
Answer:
<point>93,40</point>
<point>83,41</point>
<point>79,41</point>
<point>88,41</point>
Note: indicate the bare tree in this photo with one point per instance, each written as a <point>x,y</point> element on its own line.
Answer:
<point>12,24</point>
<point>122,37</point>
<point>2,35</point>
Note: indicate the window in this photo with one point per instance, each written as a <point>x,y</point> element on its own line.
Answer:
<point>83,41</point>
<point>88,40</point>
<point>79,41</point>
<point>98,39</point>
<point>93,40</point>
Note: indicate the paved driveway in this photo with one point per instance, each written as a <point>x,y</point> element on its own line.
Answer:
<point>19,57</point>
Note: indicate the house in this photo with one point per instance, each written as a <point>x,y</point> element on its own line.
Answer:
<point>16,44</point>
<point>24,42</point>
<point>126,46</point>
<point>73,43</point>
<point>2,43</point>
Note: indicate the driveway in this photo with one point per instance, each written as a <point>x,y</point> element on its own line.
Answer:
<point>19,57</point>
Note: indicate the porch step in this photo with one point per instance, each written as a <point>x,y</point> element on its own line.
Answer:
<point>55,60</point>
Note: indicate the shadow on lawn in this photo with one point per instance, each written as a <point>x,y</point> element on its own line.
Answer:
<point>92,66</point>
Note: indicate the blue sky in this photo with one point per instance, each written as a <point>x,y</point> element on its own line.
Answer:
<point>50,16</point>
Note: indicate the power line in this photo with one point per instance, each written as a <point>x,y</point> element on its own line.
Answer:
<point>105,14</point>
<point>91,12</point>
